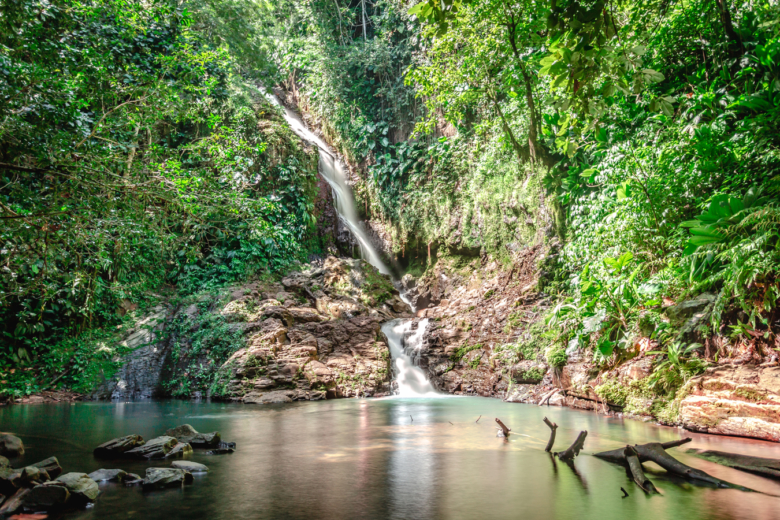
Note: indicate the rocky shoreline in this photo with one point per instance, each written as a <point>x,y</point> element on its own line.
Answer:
<point>44,488</point>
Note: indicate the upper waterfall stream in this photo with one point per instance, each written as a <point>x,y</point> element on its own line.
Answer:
<point>411,379</point>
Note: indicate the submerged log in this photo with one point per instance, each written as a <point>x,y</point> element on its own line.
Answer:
<point>637,472</point>
<point>765,467</point>
<point>573,450</point>
<point>504,430</point>
<point>618,456</point>
<point>553,428</point>
<point>656,452</point>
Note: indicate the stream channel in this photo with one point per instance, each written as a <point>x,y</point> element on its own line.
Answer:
<point>416,455</point>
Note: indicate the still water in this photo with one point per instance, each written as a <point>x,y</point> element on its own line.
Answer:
<point>389,458</point>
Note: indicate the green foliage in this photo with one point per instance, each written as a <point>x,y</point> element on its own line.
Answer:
<point>132,157</point>
<point>679,365</point>
<point>736,244</point>
<point>200,346</point>
<point>556,355</point>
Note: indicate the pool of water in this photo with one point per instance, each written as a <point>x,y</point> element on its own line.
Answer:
<point>390,458</point>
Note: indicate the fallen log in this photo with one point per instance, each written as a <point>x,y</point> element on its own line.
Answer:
<point>553,427</point>
<point>760,466</point>
<point>637,472</point>
<point>618,456</point>
<point>504,430</point>
<point>655,452</point>
<point>573,450</point>
<point>546,397</point>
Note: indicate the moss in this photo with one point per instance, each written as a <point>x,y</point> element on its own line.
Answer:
<point>613,392</point>
<point>458,355</point>
<point>532,374</point>
<point>556,356</point>
<point>750,395</point>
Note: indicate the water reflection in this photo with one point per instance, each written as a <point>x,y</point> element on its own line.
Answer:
<point>390,459</point>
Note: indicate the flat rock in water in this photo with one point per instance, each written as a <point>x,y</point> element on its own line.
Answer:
<point>118,447</point>
<point>47,496</point>
<point>11,445</point>
<point>50,466</point>
<point>156,448</point>
<point>187,434</point>
<point>108,475</point>
<point>192,467</point>
<point>158,478</point>
<point>80,486</point>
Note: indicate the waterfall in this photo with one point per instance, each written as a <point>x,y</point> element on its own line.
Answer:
<point>333,172</point>
<point>405,346</point>
<point>404,342</point>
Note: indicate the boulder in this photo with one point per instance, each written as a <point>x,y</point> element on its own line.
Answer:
<point>192,467</point>
<point>11,445</point>
<point>181,449</point>
<point>4,463</point>
<point>47,496</point>
<point>14,504</point>
<point>156,448</point>
<point>683,311</point>
<point>11,479</point>
<point>80,486</point>
<point>734,400</point>
<point>116,448</point>
<point>50,466</point>
<point>158,478</point>
<point>188,434</point>
<point>108,475</point>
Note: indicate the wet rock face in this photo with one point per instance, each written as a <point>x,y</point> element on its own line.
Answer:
<point>139,376</point>
<point>313,335</point>
<point>735,400</point>
<point>312,361</point>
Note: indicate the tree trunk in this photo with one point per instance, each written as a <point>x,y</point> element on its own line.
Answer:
<point>521,154</point>
<point>725,19</point>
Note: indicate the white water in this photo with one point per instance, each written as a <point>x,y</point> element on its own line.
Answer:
<point>404,346</point>
<point>333,172</point>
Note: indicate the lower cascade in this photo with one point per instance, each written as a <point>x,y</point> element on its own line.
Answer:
<point>404,342</point>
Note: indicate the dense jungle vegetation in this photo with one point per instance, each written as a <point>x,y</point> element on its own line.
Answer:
<point>636,139</point>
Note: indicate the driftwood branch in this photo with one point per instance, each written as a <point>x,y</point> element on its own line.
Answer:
<point>553,427</point>
<point>504,430</point>
<point>618,455</point>
<point>637,472</point>
<point>573,450</point>
<point>656,452</point>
